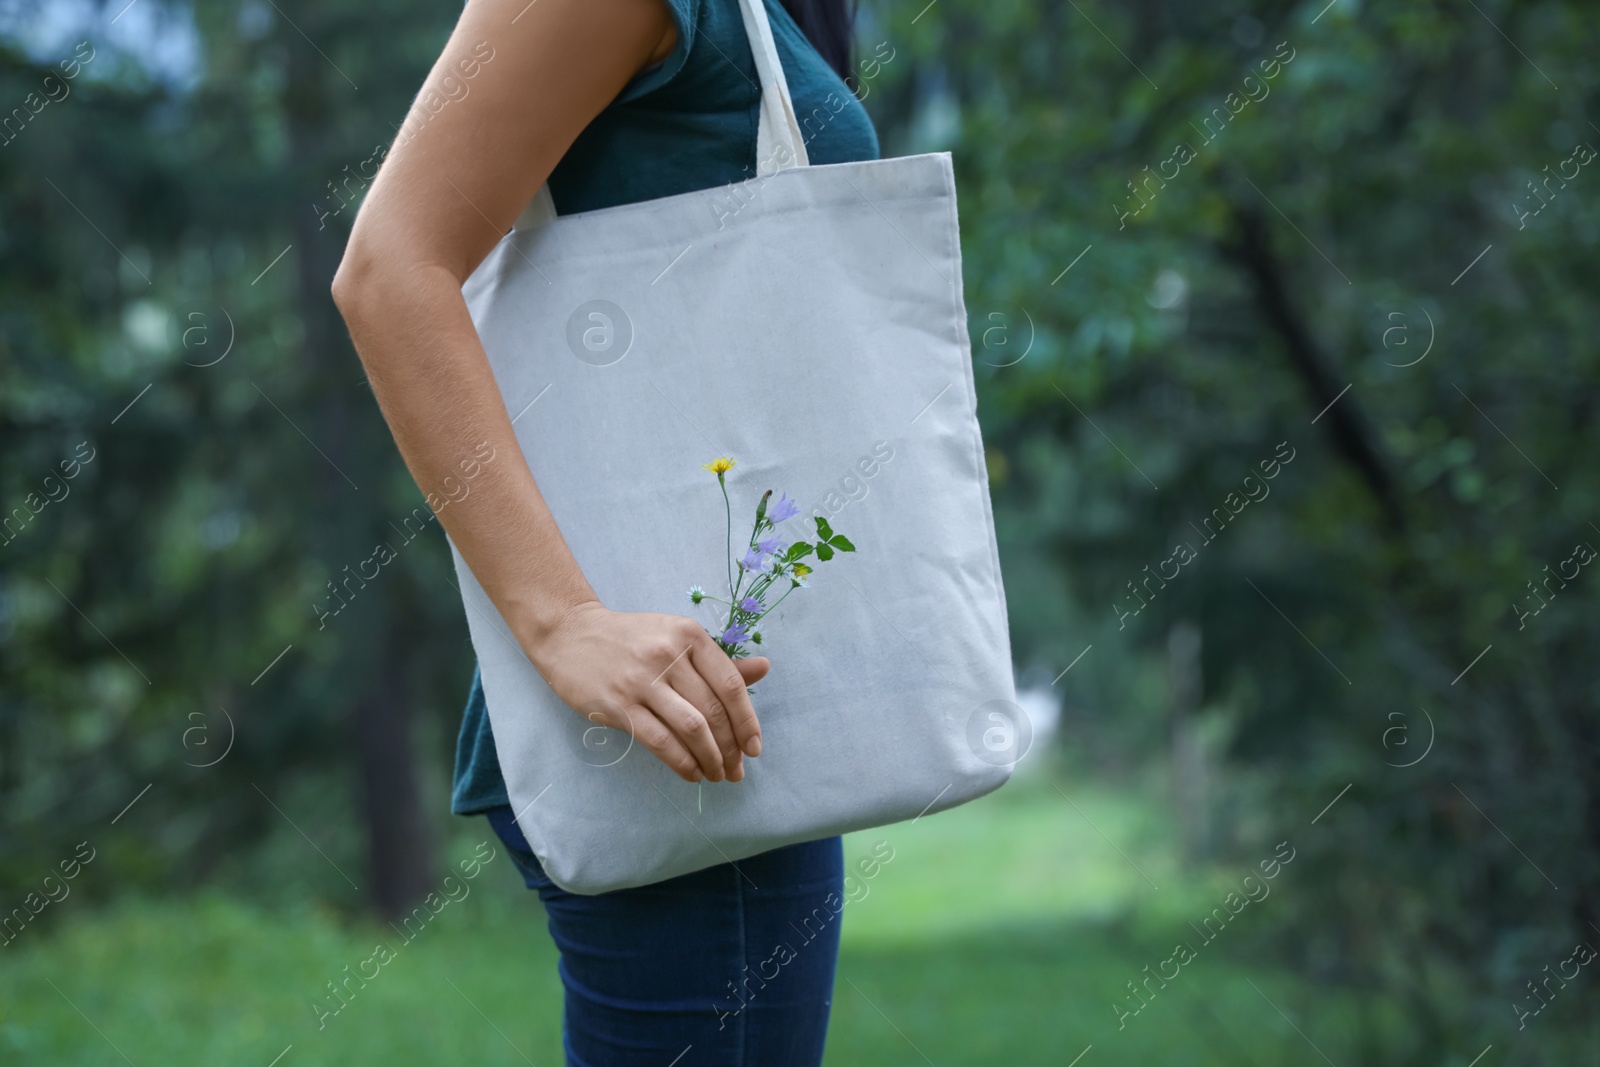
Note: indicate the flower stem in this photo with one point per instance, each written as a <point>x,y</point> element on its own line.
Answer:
<point>740,584</point>
<point>775,603</point>
<point>727,509</point>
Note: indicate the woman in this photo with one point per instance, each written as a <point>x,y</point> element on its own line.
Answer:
<point>612,101</point>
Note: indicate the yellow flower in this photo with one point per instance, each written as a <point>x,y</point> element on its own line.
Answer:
<point>801,570</point>
<point>718,466</point>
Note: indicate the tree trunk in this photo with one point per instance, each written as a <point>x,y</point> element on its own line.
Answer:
<point>1252,250</point>
<point>399,848</point>
<point>1189,776</point>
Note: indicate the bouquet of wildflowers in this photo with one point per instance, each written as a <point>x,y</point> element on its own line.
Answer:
<point>766,563</point>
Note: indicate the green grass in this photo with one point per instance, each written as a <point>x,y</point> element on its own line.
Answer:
<point>999,933</point>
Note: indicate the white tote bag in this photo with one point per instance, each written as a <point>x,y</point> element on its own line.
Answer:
<point>809,323</point>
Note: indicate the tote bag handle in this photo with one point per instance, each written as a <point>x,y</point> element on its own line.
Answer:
<point>779,142</point>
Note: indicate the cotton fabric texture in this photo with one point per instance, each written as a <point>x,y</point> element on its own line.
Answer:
<point>814,330</point>
<point>688,123</point>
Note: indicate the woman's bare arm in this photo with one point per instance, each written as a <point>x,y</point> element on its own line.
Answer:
<point>450,188</point>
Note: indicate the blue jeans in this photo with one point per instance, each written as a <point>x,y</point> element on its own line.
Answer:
<point>736,961</point>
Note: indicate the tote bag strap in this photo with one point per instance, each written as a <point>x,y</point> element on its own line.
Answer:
<point>779,142</point>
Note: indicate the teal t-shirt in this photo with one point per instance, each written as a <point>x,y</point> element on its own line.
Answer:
<point>687,123</point>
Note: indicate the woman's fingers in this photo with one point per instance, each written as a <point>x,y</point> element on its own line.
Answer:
<point>682,697</point>
<point>690,726</point>
<point>727,683</point>
<point>689,685</point>
<point>753,668</point>
<point>662,743</point>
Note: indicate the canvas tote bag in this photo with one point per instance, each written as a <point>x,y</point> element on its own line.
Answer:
<point>809,322</point>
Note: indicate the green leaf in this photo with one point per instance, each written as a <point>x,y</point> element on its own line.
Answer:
<point>824,531</point>
<point>798,551</point>
<point>824,552</point>
<point>840,542</point>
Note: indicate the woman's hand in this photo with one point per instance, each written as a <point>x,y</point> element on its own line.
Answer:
<point>660,678</point>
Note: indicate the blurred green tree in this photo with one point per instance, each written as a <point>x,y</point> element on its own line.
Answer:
<point>166,255</point>
<point>1358,237</point>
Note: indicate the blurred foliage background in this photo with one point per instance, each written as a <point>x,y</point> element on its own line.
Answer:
<point>1203,242</point>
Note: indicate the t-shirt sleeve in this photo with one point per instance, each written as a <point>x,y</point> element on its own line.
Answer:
<point>685,16</point>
